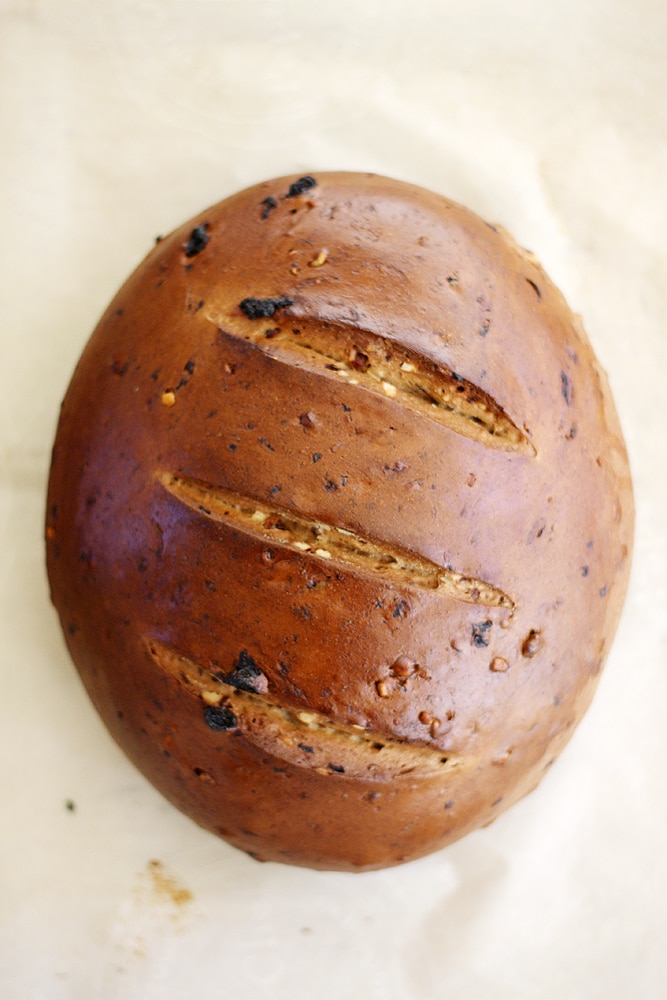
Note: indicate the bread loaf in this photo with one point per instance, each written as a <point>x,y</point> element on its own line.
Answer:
<point>339,520</point>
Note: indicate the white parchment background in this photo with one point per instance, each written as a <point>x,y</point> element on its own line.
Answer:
<point>119,120</point>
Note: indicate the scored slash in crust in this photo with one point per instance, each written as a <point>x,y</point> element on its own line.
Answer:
<point>301,737</point>
<point>384,367</point>
<point>315,539</point>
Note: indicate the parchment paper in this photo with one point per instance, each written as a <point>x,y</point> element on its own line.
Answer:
<point>120,120</point>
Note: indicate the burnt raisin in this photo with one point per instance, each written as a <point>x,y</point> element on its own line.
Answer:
<point>263,308</point>
<point>301,186</point>
<point>197,241</point>
<point>246,675</point>
<point>218,717</point>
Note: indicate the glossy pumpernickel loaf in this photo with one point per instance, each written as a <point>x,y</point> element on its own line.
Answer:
<point>339,520</point>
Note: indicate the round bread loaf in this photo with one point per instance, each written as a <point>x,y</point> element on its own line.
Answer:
<point>339,520</point>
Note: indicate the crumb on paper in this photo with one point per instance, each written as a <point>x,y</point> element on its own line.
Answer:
<point>165,886</point>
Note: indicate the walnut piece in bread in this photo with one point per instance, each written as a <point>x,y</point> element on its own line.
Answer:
<point>339,520</point>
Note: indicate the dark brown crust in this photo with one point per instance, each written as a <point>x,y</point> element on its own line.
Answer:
<point>524,489</point>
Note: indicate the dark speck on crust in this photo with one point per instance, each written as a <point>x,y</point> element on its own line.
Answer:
<point>566,388</point>
<point>198,239</point>
<point>268,204</point>
<point>480,635</point>
<point>262,308</point>
<point>301,186</point>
